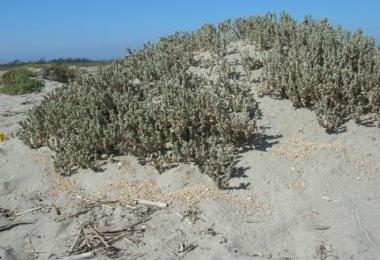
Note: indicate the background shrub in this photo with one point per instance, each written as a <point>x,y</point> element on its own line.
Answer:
<point>58,72</point>
<point>18,82</point>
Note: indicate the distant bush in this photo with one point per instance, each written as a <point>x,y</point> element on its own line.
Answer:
<point>58,72</point>
<point>18,82</point>
<point>150,106</point>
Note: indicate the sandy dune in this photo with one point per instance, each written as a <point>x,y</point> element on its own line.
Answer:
<point>301,194</point>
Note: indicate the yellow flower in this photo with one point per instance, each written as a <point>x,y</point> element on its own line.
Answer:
<point>2,137</point>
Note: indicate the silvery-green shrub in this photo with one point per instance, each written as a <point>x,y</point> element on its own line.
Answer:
<point>148,105</point>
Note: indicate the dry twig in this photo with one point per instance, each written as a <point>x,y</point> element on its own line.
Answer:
<point>151,203</point>
<point>28,211</point>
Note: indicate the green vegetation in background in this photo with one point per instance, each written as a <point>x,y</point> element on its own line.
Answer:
<point>41,63</point>
<point>18,82</point>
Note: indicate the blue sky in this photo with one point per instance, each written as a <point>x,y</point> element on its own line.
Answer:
<point>103,29</point>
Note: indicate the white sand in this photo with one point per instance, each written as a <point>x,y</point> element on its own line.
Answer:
<point>302,194</point>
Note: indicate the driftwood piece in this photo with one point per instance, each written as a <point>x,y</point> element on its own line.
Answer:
<point>104,241</point>
<point>86,255</point>
<point>130,241</point>
<point>76,241</point>
<point>151,203</point>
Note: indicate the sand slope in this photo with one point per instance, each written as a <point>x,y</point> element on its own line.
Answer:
<point>301,194</point>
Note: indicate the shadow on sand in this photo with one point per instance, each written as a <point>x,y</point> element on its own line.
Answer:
<point>259,142</point>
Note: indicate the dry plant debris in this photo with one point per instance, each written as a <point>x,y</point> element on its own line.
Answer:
<point>128,191</point>
<point>93,239</point>
<point>194,194</point>
<point>192,214</point>
<point>299,148</point>
<point>296,185</point>
<point>183,249</point>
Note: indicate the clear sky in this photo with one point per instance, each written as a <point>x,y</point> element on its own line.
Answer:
<point>103,29</point>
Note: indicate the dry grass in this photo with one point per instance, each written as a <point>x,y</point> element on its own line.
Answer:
<point>128,191</point>
<point>362,162</point>
<point>300,149</point>
<point>193,195</point>
<point>296,185</point>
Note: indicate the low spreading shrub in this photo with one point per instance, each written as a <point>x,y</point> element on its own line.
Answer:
<point>19,81</point>
<point>327,69</point>
<point>148,105</point>
<point>332,71</point>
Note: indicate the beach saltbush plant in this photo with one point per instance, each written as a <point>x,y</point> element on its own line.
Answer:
<point>312,63</point>
<point>249,63</point>
<point>148,105</point>
<point>18,82</point>
<point>325,68</point>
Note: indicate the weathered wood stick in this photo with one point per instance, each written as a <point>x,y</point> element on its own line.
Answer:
<point>75,241</point>
<point>28,211</point>
<point>151,203</point>
<point>130,241</point>
<point>104,241</point>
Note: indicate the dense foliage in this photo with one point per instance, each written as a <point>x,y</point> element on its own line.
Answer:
<point>334,72</point>
<point>18,82</point>
<point>148,105</point>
